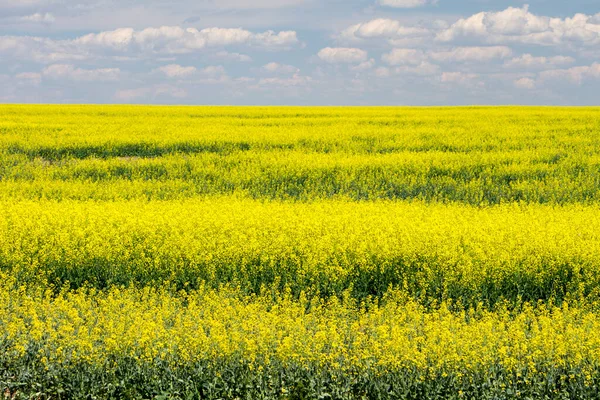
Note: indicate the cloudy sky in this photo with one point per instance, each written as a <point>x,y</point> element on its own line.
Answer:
<point>338,52</point>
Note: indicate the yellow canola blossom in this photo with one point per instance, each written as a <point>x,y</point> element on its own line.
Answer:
<point>472,155</point>
<point>299,253</point>
<point>433,252</point>
<point>147,325</point>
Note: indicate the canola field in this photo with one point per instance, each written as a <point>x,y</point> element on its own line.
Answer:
<point>299,253</point>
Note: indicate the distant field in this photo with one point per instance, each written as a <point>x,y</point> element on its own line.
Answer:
<point>290,253</point>
<point>469,155</point>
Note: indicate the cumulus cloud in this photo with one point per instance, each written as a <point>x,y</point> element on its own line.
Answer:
<point>26,3</point>
<point>212,70</point>
<point>453,56</point>
<point>404,57</point>
<point>414,57</point>
<point>518,25</point>
<point>42,50</point>
<point>461,78</point>
<point>382,72</point>
<point>408,62</point>
<point>295,80</point>
<point>382,28</point>
<point>70,72</point>
<point>363,66</point>
<point>524,83</point>
<point>175,39</point>
<point>575,75</point>
<point>406,3</point>
<point>342,55</point>
<point>210,74</point>
<point>119,39</point>
<point>527,61</point>
<point>295,85</point>
<point>38,18</point>
<point>177,71</point>
<point>150,93</point>
<point>462,54</point>
<point>170,40</point>
<point>277,68</point>
<point>424,69</point>
<point>227,56</point>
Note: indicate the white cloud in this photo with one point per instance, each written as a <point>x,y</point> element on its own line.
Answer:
<point>404,57</point>
<point>70,72</point>
<point>265,4</point>
<point>210,74</point>
<point>524,83</point>
<point>457,54</point>
<point>382,28</point>
<point>132,43</point>
<point>118,39</point>
<point>277,68</point>
<point>38,49</point>
<point>407,62</point>
<point>425,68</point>
<point>150,93</point>
<point>25,3</point>
<point>406,3</point>
<point>271,39</point>
<point>461,78</point>
<point>224,55</point>
<point>221,36</point>
<point>382,72</point>
<point>518,25</point>
<point>296,80</point>
<point>162,63</point>
<point>38,18</point>
<point>174,39</point>
<point>363,66</point>
<point>212,70</point>
<point>527,61</point>
<point>177,71</point>
<point>342,55</point>
<point>462,54</point>
<point>576,75</point>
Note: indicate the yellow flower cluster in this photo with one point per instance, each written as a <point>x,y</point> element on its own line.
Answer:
<point>432,251</point>
<point>398,334</point>
<point>472,155</point>
<point>332,253</point>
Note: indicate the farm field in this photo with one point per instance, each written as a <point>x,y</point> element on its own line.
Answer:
<point>299,253</point>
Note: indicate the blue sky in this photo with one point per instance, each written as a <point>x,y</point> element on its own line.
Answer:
<point>321,52</point>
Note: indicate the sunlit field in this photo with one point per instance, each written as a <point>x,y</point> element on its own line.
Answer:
<point>299,253</point>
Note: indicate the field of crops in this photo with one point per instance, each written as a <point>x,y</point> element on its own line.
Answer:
<point>299,253</point>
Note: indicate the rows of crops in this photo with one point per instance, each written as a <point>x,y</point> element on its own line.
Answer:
<point>471,155</point>
<point>351,253</point>
<point>434,252</point>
